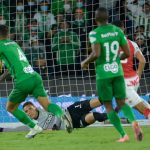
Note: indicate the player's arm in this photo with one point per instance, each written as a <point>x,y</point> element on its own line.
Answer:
<point>142,62</point>
<point>1,66</point>
<point>126,52</point>
<point>4,75</point>
<point>93,56</point>
<point>125,47</point>
<point>95,45</point>
<point>140,58</point>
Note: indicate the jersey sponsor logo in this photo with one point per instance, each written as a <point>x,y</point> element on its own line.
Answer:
<point>109,34</point>
<point>48,121</point>
<point>111,67</point>
<point>28,69</point>
<point>134,82</point>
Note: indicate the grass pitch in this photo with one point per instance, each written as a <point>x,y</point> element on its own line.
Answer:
<point>101,138</point>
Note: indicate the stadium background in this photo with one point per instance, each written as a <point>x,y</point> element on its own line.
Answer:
<point>54,37</point>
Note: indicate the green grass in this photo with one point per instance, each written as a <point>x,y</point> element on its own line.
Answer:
<point>102,138</point>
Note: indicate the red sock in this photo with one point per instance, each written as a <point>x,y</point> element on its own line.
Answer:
<point>147,112</point>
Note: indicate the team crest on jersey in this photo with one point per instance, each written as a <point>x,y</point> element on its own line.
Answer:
<point>111,67</point>
<point>28,69</point>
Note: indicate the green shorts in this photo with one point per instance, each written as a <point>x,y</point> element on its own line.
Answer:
<point>111,87</point>
<point>31,86</point>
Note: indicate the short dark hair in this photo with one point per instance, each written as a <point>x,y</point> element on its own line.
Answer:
<point>140,26</point>
<point>118,23</point>
<point>3,31</point>
<point>27,103</point>
<point>101,14</point>
<point>54,26</point>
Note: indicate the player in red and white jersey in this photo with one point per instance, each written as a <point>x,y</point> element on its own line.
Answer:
<point>132,77</point>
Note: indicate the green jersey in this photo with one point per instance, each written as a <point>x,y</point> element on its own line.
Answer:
<point>110,39</point>
<point>15,60</point>
<point>66,51</point>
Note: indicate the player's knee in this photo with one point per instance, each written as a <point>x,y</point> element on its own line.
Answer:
<point>108,106</point>
<point>120,103</point>
<point>44,102</point>
<point>11,108</point>
<point>83,123</point>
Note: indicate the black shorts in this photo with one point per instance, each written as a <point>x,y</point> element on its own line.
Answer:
<point>77,111</point>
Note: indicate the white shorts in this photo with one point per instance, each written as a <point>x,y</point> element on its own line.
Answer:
<point>132,85</point>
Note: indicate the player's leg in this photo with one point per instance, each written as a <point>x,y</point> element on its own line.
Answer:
<point>91,117</point>
<point>105,93</point>
<point>41,95</point>
<point>50,107</point>
<point>144,108</point>
<point>95,103</point>
<point>115,120</point>
<point>19,114</point>
<point>56,110</point>
<point>85,106</point>
<point>120,94</point>
<point>135,101</point>
<point>78,110</point>
<point>15,98</point>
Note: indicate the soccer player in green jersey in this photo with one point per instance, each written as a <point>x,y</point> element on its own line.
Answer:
<point>106,40</point>
<point>26,81</point>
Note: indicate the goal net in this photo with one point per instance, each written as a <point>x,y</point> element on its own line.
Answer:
<point>54,37</point>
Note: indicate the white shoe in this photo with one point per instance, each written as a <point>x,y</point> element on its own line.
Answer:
<point>67,121</point>
<point>34,131</point>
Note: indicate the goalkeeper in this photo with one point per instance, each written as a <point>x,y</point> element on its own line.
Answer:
<point>26,81</point>
<point>79,112</point>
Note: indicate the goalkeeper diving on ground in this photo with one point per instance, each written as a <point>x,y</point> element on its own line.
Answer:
<point>79,114</point>
<point>26,81</point>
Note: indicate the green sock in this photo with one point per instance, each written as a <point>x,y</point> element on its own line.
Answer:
<point>128,112</point>
<point>114,119</point>
<point>22,117</point>
<point>55,109</point>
